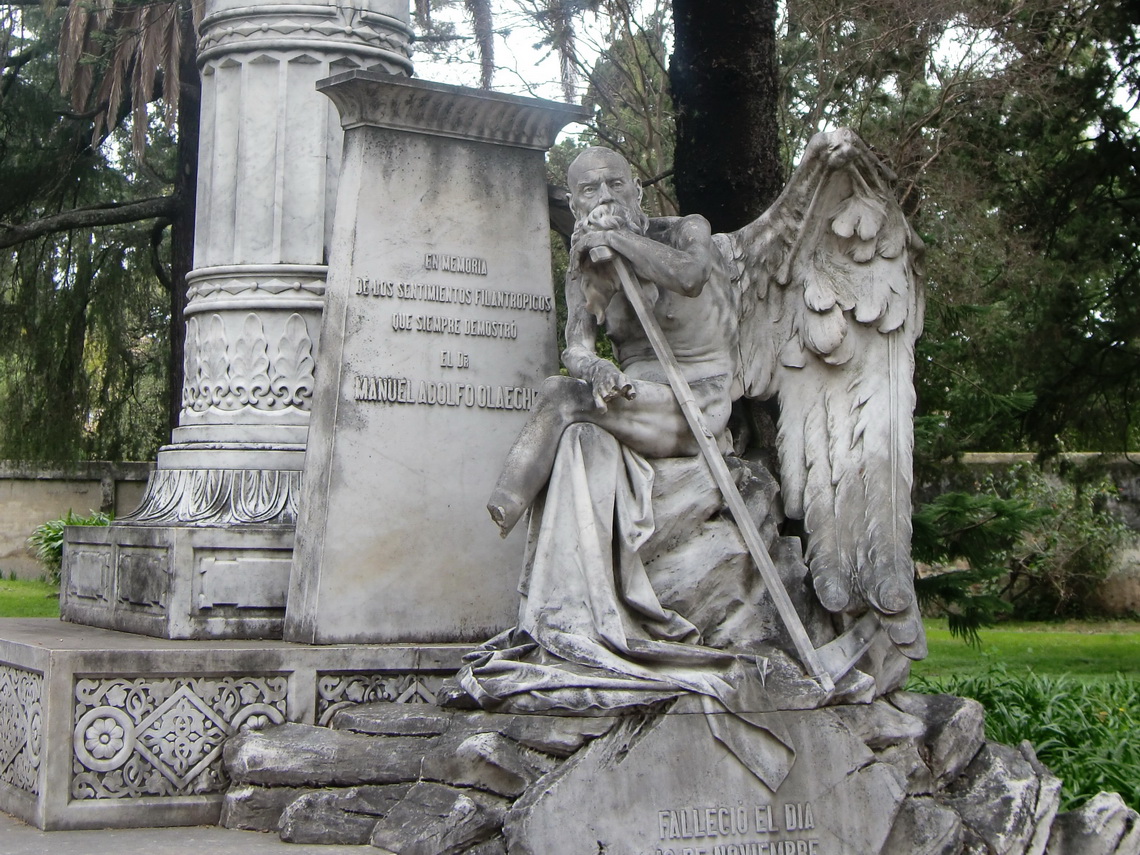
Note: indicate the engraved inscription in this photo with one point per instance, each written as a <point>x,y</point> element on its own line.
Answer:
<point>401,390</point>
<point>471,265</point>
<point>763,829</point>
<point>487,298</point>
<point>456,359</point>
<point>483,328</point>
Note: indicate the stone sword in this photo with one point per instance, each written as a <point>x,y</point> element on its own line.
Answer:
<point>808,654</point>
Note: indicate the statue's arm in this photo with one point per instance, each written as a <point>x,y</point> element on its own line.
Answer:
<point>683,268</point>
<point>580,356</point>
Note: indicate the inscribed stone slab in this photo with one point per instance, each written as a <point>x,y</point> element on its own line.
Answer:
<point>671,789</point>
<point>438,330</point>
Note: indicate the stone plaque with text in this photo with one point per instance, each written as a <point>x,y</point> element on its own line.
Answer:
<point>670,787</point>
<point>438,330</point>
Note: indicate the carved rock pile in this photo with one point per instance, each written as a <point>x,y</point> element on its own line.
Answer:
<point>421,780</point>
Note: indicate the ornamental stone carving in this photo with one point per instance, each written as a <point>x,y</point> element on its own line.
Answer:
<point>372,35</point>
<point>219,497</point>
<point>21,738</point>
<point>248,372</point>
<point>163,737</point>
<point>338,690</point>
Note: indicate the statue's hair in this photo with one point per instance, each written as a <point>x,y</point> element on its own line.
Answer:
<point>598,151</point>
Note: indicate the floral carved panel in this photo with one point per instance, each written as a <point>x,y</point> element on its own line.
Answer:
<point>21,738</point>
<point>164,737</point>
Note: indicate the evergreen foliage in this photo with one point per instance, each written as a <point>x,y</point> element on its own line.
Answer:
<point>1010,128</point>
<point>83,317</point>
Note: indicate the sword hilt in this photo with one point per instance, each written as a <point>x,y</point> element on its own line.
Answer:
<point>601,253</point>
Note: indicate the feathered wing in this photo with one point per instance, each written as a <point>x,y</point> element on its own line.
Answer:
<point>831,306</point>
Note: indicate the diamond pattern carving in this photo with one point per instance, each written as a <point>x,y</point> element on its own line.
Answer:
<point>164,736</point>
<point>182,737</point>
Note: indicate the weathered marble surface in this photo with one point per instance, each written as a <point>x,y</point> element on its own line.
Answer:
<point>268,167</point>
<point>105,729</point>
<point>438,329</point>
<point>905,775</point>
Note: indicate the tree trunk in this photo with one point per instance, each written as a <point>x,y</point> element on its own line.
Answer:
<point>725,84</point>
<point>185,190</point>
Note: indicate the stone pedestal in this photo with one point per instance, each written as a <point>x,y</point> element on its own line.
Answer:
<point>111,730</point>
<point>907,774</point>
<point>438,330</point>
<point>179,582</point>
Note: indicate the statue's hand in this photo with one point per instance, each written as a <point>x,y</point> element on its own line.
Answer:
<point>593,240</point>
<point>608,383</point>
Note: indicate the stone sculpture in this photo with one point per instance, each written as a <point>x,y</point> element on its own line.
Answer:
<point>640,598</point>
<point>816,304</point>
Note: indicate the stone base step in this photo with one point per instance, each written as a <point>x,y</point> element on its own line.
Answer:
<point>105,729</point>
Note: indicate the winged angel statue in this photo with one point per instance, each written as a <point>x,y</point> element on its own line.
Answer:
<point>637,586</point>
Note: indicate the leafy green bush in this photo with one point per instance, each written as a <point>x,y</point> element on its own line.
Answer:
<point>1058,562</point>
<point>1028,544</point>
<point>47,539</point>
<point>1085,732</point>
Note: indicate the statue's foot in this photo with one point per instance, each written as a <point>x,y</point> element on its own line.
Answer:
<point>506,510</point>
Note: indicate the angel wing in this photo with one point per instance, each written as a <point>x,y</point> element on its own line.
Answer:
<point>831,306</point>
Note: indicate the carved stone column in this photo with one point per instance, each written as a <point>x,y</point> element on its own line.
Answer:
<point>207,552</point>
<point>268,163</point>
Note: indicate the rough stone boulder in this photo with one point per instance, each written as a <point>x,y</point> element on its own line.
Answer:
<point>907,774</point>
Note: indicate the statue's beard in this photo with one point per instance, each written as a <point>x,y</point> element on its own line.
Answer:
<point>597,289</point>
<point>611,215</point>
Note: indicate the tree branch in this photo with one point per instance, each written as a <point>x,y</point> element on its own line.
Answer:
<point>97,215</point>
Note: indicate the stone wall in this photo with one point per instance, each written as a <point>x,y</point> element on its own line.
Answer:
<point>31,494</point>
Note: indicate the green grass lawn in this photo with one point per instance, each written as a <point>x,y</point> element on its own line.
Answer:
<point>28,598</point>
<point>1081,649</point>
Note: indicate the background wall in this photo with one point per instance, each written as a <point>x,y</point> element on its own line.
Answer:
<point>32,494</point>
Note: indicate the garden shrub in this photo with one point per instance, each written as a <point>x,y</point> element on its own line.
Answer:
<point>47,539</point>
<point>1086,732</point>
<point>1027,544</point>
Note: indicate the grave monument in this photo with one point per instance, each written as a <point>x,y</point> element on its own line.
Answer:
<point>675,673</point>
<point>682,679</point>
<point>207,554</point>
<point>171,644</point>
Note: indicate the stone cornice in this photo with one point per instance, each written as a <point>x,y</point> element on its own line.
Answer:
<point>375,99</point>
<point>312,29</point>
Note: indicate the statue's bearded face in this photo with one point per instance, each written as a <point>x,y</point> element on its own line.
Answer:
<point>603,192</point>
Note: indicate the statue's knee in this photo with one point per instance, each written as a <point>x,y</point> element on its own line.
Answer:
<point>563,395</point>
<point>553,387</point>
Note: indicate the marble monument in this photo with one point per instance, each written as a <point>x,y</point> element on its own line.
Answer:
<point>438,331</point>
<point>683,679</point>
<point>818,304</point>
